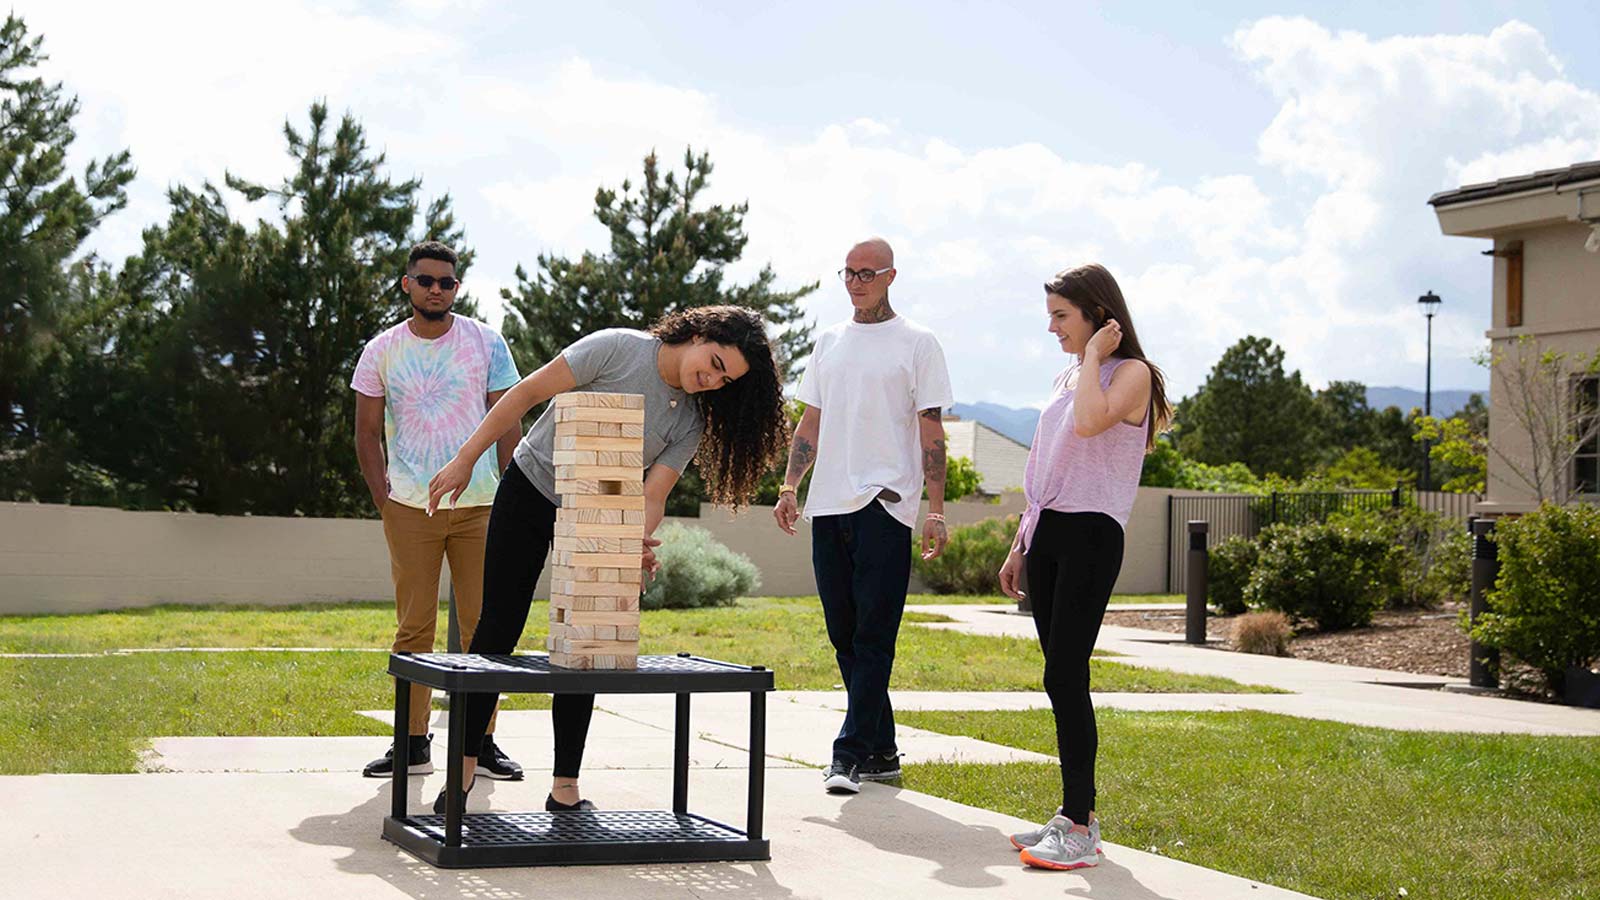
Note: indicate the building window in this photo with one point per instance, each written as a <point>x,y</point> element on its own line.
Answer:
<point>1586,409</point>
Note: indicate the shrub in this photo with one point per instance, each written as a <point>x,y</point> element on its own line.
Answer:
<point>1433,553</point>
<point>1328,574</point>
<point>697,570</point>
<point>1545,606</point>
<point>1266,633</point>
<point>1228,568</point>
<point>971,560</point>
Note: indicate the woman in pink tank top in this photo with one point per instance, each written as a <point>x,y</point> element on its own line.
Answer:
<point>1082,476</point>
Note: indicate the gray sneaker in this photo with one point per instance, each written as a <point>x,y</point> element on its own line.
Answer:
<point>1063,848</point>
<point>1022,840</point>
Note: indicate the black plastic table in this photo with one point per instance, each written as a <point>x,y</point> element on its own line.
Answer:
<point>459,839</point>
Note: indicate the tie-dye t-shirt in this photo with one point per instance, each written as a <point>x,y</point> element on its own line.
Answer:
<point>434,397</point>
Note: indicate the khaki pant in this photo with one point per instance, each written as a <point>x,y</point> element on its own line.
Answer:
<point>418,544</point>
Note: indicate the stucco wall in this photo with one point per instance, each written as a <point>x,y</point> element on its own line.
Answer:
<point>56,559</point>
<point>1561,310</point>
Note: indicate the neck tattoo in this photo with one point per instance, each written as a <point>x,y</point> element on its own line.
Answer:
<point>875,314</point>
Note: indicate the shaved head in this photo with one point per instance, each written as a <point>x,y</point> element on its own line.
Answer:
<point>874,251</point>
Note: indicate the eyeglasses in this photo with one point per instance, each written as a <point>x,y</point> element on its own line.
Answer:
<point>864,276</point>
<point>445,284</point>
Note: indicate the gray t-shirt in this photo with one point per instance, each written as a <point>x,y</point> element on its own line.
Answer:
<point>619,361</point>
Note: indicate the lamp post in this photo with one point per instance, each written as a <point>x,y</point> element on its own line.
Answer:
<point>1429,304</point>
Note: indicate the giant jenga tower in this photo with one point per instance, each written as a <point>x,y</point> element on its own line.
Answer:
<point>594,575</point>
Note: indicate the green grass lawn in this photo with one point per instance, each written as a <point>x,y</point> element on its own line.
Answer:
<point>1336,811</point>
<point>94,714</point>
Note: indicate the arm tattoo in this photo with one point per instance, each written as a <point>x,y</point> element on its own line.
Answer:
<point>933,462</point>
<point>932,414</point>
<point>801,456</point>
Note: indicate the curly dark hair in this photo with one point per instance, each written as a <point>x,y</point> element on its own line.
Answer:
<point>745,426</point>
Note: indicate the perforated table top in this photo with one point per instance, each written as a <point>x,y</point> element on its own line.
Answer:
<point>533,673</point>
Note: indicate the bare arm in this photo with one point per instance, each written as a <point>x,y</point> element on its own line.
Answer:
<point>658,483</point>
<point>802,453</point>
<point>507,444</point>
<point>931,428</point>
<point>931,425</point>
<point>803,448</point>
<point>369,447</point>
<point>1094,410</point>
<point>548,380</point>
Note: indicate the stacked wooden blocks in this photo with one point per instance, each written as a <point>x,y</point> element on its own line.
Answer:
<point>594,575</point>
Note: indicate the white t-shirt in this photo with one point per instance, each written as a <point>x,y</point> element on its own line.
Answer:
<point>870,382</point>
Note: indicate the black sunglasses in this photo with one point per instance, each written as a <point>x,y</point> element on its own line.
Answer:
<point>445,284</point>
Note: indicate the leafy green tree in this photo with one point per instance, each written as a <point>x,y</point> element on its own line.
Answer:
<point>1459,447</point>
<point>1345,419</point>
<point>235,343</point>
<point>1250,410</point>
<point>668,251</point>
<point>1360,468</point>
<point>46,300</point>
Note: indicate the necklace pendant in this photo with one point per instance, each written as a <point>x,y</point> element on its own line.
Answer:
<point>672,403</point>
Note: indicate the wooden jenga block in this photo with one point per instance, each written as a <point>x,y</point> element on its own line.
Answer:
<point>606,414</point>
<point>596,487</point>
<point>597,444</point>
<point>600,545</point>
<point>628,502</point>
<point>594,516</point>
<point>600,473</point>
<point>618,530</point>
<point>600,399</point>
<point>628,632</point>
<point>593,589</point>
<point>607,458</point>
<point>612,618</point>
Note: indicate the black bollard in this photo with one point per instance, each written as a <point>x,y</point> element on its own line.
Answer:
<point>1483,665</point>
<point>1195,624</point>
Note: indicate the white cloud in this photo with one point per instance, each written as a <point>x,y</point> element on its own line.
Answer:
<point>1320,243</point>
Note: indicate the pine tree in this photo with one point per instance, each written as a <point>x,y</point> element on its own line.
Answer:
<point>667,252</point>
<point>45,216</point>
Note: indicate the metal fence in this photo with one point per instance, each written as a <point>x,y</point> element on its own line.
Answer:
<point>1244,515</point>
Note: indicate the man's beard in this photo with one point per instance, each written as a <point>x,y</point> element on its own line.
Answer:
<point>430,315</point>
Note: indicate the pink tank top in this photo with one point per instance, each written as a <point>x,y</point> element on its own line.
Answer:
<point>1068,473</point>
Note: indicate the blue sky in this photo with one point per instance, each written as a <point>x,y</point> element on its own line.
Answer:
<point>1242,168</point>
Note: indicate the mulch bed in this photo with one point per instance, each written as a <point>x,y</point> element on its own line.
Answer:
<point>1420,641</point>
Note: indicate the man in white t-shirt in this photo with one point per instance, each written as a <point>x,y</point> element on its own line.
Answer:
<point>874,390</point>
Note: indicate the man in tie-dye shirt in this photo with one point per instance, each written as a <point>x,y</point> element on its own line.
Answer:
<point>422,387</point>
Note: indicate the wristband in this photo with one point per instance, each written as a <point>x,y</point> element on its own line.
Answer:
<point>788,489</point>
<point>937,517</point>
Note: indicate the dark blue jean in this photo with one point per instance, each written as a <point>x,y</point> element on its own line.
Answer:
<point>863,565</point>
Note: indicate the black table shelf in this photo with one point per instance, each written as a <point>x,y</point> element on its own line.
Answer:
<point>459,839</point>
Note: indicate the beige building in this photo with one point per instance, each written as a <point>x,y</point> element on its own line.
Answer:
<point>1546,286</point>
<point>1000,461</point>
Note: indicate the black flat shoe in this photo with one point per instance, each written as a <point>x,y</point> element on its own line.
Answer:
<point>438,803</point>
<point>551,804</point>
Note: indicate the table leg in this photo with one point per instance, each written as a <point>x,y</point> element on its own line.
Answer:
<point>758,764</point>
<point>680,757</point>
<point>402,746</point>
<point>454,803</point>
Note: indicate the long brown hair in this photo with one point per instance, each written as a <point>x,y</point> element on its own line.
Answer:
<point>1095,293</point>
<point>746,430</point>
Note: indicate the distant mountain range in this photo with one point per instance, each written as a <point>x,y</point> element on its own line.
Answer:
<point>1019,424</point>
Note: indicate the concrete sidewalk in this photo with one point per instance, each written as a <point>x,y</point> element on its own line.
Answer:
<point>244,837</point>
<point>1350,694</point>
<point>288,817</point>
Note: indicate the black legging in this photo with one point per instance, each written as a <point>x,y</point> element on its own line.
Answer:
<point>522,527</point>
<point>1073,562</point>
